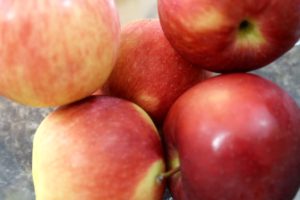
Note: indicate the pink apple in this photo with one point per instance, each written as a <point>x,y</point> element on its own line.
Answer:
<point>149,71</point>
<point>54,52</point>
<point>234,137</point>
<point>231,35</point>
<point>98,148</point>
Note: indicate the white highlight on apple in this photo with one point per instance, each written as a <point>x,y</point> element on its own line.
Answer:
<point>10,15</point>
<point>217,142</point>
<point>67,3</point>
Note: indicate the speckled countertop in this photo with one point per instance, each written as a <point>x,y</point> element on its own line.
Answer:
<point>18,124</point>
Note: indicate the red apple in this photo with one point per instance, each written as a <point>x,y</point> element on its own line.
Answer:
<point>230,35</point>
<point>99,148</point>
<point>149,71</point>
<point>234,137</point>
<point>54,52</point>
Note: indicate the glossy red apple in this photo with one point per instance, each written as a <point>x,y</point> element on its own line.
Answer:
<point>149,71</point>
<point>231,35</point>
<point>54,52</point>
<point>234,137</point>
<point>98,148</point>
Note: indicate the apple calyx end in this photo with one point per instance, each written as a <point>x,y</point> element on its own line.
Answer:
<point>245,25</point>
<point>249,34</point>
<point>161,177</point>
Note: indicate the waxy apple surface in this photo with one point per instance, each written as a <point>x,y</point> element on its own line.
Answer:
<point>54,52</point>
<point>149,71</point>
<point>98,148</point>
<point>235,137</point>
<point>230,35</point>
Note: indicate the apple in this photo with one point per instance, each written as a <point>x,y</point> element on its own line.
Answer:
<point>55,52</point>
<point>149,72</point>
<point>234,137</point>
<point>98,148</point>
<point>230,36</point>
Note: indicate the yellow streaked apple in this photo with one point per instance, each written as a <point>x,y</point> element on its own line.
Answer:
<point>98,148</point>
<point>54,52</point>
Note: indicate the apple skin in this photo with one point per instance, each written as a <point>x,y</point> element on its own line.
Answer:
<point>98,148</point>
<point>149,72</point>
<point>230,35</point>
<point>235,137</point>
<point>54,52</point>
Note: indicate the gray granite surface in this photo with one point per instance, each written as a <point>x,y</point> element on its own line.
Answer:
<point>18,124</point>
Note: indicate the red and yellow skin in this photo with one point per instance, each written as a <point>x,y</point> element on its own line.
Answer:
<point>98,148</point>
<point>234,137</point>
<point>54,52</point>
<point>149,71</point>
<point>230,35</point>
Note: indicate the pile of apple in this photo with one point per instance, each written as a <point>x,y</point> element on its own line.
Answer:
<point>142,108</point>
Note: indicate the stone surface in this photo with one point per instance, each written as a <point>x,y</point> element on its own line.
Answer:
<point>17,126</point>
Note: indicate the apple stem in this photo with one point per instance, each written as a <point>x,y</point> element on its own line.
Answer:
<point>167,174</point>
